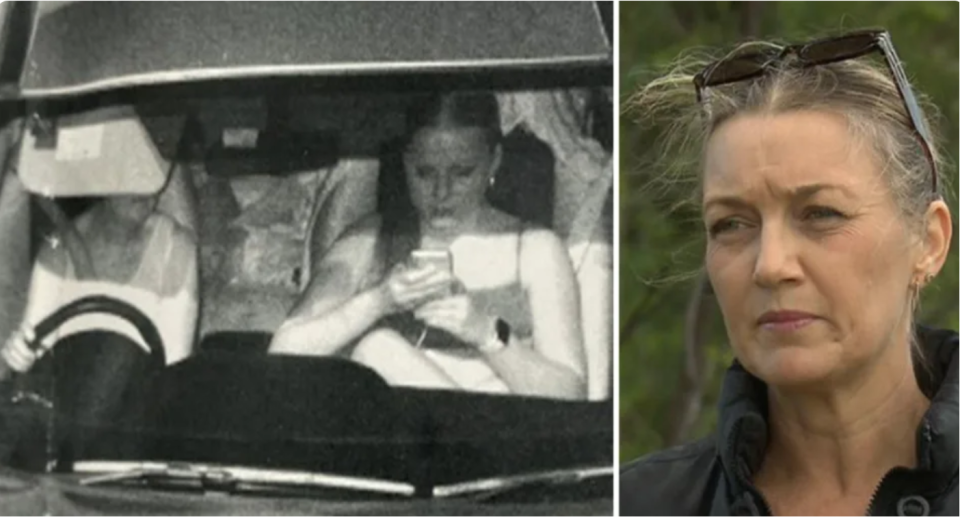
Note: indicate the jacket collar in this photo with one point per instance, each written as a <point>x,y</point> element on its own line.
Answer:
<point>937,436</point>
<point>742,436</point>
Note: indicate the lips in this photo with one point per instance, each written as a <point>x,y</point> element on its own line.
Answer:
<point>443,212</point>
<point>785,320</point>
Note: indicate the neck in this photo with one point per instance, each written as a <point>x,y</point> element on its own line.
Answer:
<point>844,440</point>
<point>443,238</point>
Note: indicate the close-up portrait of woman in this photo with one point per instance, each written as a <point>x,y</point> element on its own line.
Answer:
<point>813,371</point>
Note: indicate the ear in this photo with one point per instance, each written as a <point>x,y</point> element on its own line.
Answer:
<point>937,236</point>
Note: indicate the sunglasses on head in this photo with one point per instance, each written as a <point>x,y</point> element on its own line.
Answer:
<point>750,65</point>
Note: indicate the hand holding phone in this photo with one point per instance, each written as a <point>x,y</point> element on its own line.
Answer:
<point>427,275</point>
<point>435,260</point>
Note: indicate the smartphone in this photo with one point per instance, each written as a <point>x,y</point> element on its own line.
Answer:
<point>441,260</point>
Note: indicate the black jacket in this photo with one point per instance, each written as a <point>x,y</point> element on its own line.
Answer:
<point>713,476</point>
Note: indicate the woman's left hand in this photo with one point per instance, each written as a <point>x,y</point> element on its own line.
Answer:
<point>459,316</point>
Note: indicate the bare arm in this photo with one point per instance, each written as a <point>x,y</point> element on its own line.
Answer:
<point>179,200</point>
<point>554,366</point>
<point>181,296</point>
<point>595,278</point>
<point>43,297</point>
<point>334,309</point>
<point>341,303</point>
<point>14,253</point>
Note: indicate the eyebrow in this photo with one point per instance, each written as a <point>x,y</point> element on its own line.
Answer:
<point>802,192</point>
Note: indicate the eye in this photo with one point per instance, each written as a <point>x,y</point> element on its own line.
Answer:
<point>822,213</point>
<point>463,171</point>
<point>424,172</point>
<point>727,225</point>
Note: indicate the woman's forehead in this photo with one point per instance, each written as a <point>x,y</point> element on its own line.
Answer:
<point>450,139</point>
<point>787,151</point>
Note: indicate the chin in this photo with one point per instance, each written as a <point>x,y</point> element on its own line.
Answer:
<point>794,367</point>
<point>794,359</point>
<point>444,223</point>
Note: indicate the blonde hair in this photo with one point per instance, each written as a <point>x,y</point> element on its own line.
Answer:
<point>860,90</point>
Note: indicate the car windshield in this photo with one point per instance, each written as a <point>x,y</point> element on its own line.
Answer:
<point>354,261</point>
<point>184,267</point>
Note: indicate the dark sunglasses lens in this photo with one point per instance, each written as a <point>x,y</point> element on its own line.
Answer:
<point>736,68</point>
<point>839,48</point>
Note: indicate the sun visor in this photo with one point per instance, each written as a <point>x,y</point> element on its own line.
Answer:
<point>104,151</point>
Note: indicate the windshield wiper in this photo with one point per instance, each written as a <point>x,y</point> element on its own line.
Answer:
<point>232,479</point>
<point>502,484</point>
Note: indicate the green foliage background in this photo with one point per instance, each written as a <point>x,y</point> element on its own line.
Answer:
<point>658,245</point>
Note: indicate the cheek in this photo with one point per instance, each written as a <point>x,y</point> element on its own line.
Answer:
<point>470,188</point>
<point>730,271</point>
<point>858,268</point>
<point>416,186</point>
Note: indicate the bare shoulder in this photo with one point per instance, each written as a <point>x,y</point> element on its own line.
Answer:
<point>342,271</point>
<point>543,240</point>
<point>180,270</point>
<point>544,258</point>
<point>364,229</point>
<point>542,244</point>
<point>183,239</point>
<point>352,252</point>
<point>181,233</point>
<point>356,242</point>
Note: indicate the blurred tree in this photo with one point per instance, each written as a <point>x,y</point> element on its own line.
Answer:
<point>673,349</point>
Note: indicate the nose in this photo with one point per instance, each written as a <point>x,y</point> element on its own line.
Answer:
<point>777,260</point>
<point>442,187</point>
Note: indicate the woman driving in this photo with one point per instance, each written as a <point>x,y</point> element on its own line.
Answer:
<point>442,290</point>
<point>820,196</point>
<point>139,255</point>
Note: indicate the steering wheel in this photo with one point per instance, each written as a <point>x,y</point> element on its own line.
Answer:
<point>96,378</point>
<point>105,305</point>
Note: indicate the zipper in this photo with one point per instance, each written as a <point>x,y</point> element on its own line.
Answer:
<point>876,493</point>
<point>933,485</point>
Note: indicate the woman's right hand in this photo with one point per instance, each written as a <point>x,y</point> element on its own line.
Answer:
<point>17,353</point>
<point>406,289</point>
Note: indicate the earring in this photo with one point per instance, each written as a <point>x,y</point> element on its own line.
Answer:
<point>915,287</point>
<point>493,180</point>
